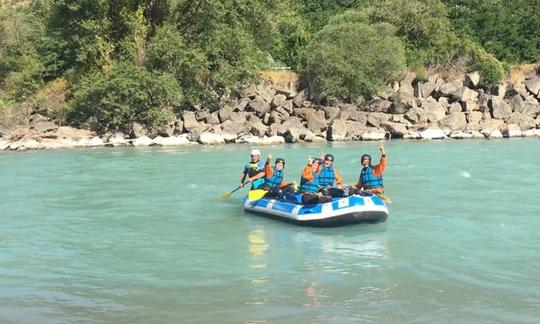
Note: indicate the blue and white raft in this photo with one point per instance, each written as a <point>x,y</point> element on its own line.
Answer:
<point>343,211</point>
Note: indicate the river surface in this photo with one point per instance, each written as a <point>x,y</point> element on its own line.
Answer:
<point>140,236</point>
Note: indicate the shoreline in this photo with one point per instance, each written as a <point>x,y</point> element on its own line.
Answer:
<point>97,142</point>
<point>277,111</point>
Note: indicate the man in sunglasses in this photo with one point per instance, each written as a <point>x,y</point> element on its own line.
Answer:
<point>371,176</point>
<point>254,171</point>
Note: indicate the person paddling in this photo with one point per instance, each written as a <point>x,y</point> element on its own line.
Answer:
<point>370,178</point>
<point>254,171</point>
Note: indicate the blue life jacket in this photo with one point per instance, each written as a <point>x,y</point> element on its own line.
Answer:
<point>310,186</point>
<point>327,176</point>
<point>369,180</point>
<point>274,181</point>
<point>252,169</point>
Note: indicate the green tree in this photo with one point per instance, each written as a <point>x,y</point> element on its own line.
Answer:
<point>125,95</point>
<point>349,58</point>
<point>508,29</point>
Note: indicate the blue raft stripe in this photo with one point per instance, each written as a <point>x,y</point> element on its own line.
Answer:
<point>261,203</point>
<point>353,201</point>
<point>283,207</point>
<point>310,209</point>
<point>377,200</point>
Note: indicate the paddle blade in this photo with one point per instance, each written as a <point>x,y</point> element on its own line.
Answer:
<point>385,198</point>
<point>256,194</point>
<point>226,195</point>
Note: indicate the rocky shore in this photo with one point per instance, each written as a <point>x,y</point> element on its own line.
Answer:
<point>277,111</point>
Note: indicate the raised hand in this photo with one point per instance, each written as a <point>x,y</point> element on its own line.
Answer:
<point>381,148</point>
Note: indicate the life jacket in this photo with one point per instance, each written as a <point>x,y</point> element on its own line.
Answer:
<point>252,169</point>
<point>369,180</point>
<point>275,181</point>
<point>310,186</point>
<point>327,176</point>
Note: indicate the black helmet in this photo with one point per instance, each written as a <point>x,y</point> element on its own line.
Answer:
<point>319,161</point>
<point>366,156</point>
<point>329,157</point>
<point>278,160</point>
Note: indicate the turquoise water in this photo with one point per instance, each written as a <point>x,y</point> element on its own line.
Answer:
<point>139,235</point>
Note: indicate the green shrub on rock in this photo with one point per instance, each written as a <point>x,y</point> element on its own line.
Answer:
<point>350,58</point>
<point>125,95</point>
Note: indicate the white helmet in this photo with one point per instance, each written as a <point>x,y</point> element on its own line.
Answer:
<point>255,152</point>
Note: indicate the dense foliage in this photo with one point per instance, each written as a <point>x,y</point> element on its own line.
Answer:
<point>351,57</point>
<point>107,53</point>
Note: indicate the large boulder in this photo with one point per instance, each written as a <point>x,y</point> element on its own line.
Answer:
<point>117,139</point>
<point>378,105</point>
<point>337,131</point>
<point>299,99</point>
<point>278,100</point>
<point>212,119</point>
<point>432,133</point>
<point>278,116</point>
<point>452,89</point>
<point>402,102</point>
<point>461,135</point>
<point>396,130</point>
<point>529,109</point>
<point>455,107</point>
<point>266,92</point>
<point>499,90</point>
<point>171,141</point>
<point>350,112</point>
<point>524,122</point>
<point>259,106</point>
<point>257,128</point>
<point>190,121</point>
<point>374,135</point>
<point>417,116</point>
<point>426,89</point>
<point>142,141</point>
<point>469,95</point>
<point>500,109</point>
<point>233,127</point>
<point>516,102</point>
<point>434,109</point>
<point>4,144</point>
<point>512,130</point>
<point>533,85</point>
<point>473,79</point>
<point>406,85</point>
<point>474,117</point>
<point>211,138</point>
<point>240,116</point>
<point>355,130</point>
<point>25,144</point>
<point>294,134</point>
<point>316,124</point>
<point>331,113</point>
<point>377,119</point>
<point>454,121</point>
<point>225,112</point>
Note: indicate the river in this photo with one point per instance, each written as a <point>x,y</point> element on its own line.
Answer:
<point>140,235</point>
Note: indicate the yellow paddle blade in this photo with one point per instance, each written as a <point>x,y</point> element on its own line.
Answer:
<point>385,198</point>
<point>256,194</point>
<point>226,195</point>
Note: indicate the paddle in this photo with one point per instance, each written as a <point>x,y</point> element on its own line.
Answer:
<point>384,198</point>
<point>228,195</point>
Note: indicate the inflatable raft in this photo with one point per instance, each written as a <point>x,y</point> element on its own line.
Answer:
<point>343,211</point>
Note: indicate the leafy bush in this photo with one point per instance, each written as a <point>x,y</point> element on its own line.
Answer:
<point>349,58</point>
<point>125,95</point>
